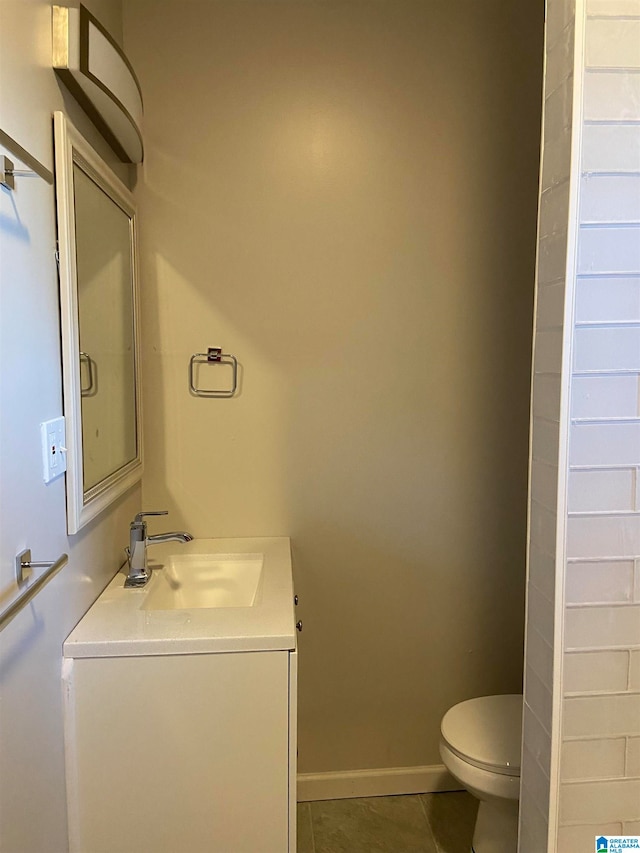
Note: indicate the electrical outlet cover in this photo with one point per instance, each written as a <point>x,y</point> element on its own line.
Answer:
<point>54,451</point>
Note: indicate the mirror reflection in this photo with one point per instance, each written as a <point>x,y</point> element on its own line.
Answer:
<point>106,331</point>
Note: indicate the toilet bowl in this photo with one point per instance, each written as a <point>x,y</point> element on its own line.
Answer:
<point>480,746</point>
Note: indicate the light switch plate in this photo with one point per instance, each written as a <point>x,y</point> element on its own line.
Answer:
<point>54,451</point>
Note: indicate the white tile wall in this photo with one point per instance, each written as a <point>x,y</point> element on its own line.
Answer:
<point>550,305</point>
<point>542,571</point>
<point>611,148</point>
<point>604,490</point>
<point>554,208</point>
<point>601,716</point>
<point>543,527</point>
<point>601,671</point>
<point>602,627</point>
<point>558,106</point>
<point>540,613</point>
<point>546,392</point>
<point>534,829</point>
<point>545,441</point>
<point>614,249</point>
<point>544,478</point>
<point>538,782</point>
<point>632,765</point>
<point>634,671</point>
<point>607,490</point>
<point>610,198</point>
<point>550,353</point>
<point>594,759</point>
<point>556,159</point>
<point>552,257</point>
<point>559,60</point>
<point>607,348</point>
<point>602,581</point>
<point>611,97</point>
<point>608,396</point>
<point>560,14</point>
<point>605,444</point>
<point>540,656</point>
<point>608,800</point>
<point>603,536</point>
<point>539,697</point>
<point>613,7</point>
<point>608,300</point>
<point>587,672</point>
<point>612,43</point>
<point>577,839</point>
<point>537,738</point>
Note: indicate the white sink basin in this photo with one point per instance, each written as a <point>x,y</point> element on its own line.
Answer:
<point>189,581</point>
<point>204,596</point>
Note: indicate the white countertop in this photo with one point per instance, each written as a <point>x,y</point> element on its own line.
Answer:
<point>116,625</point>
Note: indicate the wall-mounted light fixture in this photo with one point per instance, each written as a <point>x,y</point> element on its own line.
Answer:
<point>100,77</point>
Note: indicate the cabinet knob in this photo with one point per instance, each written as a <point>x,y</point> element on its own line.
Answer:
<point>295,600</point>
<point>299,624</point>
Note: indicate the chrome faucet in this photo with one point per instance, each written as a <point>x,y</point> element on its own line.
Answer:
<point>139,572</point>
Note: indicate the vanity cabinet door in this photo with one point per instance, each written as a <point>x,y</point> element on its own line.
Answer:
<point>179,753</point>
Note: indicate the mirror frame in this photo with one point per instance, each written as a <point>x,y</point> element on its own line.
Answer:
<point>71,147</point>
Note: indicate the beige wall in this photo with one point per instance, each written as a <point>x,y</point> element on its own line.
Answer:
<point>32,514</point>
<point>343,195</point>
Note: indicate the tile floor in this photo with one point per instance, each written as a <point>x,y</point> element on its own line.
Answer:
<point>418,823</point>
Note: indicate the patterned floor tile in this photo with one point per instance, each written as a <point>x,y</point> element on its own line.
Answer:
<point>452,817</point>
<point>371,825</point>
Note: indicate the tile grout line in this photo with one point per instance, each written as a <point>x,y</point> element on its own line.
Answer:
<point>427,821</point>
<point>313,838</point>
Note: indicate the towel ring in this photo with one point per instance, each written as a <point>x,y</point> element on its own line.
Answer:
<point>214,355</point>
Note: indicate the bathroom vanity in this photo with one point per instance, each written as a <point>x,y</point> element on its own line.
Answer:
<point>180,706</point>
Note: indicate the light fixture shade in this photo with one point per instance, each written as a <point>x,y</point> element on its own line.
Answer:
<point>100,77</point>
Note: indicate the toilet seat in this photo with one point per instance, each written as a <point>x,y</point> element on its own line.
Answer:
<point>486,732</point>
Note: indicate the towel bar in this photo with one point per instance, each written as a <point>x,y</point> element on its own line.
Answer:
<point>23,561</point>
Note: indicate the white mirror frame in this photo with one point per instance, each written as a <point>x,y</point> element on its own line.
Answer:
<point>70,148</point>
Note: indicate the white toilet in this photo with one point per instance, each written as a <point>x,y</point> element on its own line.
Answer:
<point>480,743</point>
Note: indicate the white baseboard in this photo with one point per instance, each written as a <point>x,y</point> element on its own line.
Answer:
<point>386,781</point>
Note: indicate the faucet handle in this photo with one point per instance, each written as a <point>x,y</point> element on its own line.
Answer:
<point>141,515</point>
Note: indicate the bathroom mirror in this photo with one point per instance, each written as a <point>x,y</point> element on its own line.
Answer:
<point>99,318</point>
